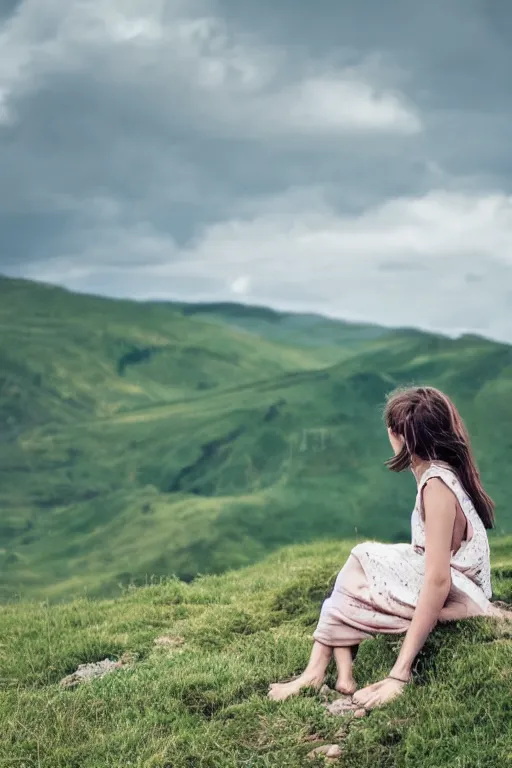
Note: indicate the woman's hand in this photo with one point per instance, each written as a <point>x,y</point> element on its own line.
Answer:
<point>379,693</point>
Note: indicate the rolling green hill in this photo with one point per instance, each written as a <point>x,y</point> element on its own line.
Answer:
<point>308,330</point>
<point>64,356</point>
<point>145,439</point>
<point>201,659</point>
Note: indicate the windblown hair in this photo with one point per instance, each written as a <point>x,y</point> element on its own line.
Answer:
<point>432,428</point>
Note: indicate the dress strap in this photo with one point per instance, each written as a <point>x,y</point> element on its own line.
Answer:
<point>439,470</point>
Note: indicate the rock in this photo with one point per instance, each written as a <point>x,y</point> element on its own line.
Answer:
<point>360,712</point>
<point>331,752</point>
<point>94,669</point>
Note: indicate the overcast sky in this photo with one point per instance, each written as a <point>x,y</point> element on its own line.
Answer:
<point>351,158</point>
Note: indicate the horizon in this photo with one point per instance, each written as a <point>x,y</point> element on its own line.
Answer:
<point>275,309</point>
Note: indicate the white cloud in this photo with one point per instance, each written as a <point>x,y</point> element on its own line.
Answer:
<point>345,101</point>
<point>416,231</point>
<point>233,84</point>
<point>442,262</point>
<point>241,285</point>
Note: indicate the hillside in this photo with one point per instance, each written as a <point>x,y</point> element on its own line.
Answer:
<point>64,356</point>
<point>201,658</point>
<point>139,439</point>
<point>307,330</point>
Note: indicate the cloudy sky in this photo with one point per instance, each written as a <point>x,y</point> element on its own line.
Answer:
<point>342,157</point>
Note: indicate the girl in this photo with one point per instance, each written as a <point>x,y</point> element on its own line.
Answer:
<point>443,575</point>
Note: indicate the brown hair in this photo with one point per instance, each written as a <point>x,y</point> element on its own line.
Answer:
<point>432,429</point>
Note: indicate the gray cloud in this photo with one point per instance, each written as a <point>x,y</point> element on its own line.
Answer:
<point>284,152</point>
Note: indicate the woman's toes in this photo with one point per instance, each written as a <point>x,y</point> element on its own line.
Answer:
<point>282,691</point>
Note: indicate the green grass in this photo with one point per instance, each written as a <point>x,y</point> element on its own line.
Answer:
<point>156,439</point>
<point>200,702</point>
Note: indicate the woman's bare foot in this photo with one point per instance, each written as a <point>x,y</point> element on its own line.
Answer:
<point>346,684</point>
<point>282,691</point>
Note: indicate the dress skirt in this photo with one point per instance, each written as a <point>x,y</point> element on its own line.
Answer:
<point>376,591</point>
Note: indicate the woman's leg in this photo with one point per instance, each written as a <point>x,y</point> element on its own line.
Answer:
<point>312,677</point>
<point>344,657</point>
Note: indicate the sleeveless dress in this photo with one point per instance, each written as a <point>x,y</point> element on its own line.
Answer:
<point>378,587</point>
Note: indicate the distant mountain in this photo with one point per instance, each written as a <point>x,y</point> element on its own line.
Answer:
<point>140,438</point>
<point>306,330</point>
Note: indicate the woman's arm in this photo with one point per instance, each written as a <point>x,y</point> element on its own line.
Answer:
<point>440,511</point>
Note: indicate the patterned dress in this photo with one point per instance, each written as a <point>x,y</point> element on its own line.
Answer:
<point>378,587</point>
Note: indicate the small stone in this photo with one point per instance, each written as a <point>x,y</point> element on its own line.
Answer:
<point>360,712</point>
<point>331,751</point>
<point>89,671</point>
<point>329,694</point>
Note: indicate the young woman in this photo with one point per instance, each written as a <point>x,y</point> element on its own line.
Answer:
<point>443,575</point>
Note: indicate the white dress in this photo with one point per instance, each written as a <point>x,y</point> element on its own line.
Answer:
<point>378,588</point>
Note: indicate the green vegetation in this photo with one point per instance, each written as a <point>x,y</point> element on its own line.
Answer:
<point>154,439</point>
<point>198,699</point>
<point>306,330</point>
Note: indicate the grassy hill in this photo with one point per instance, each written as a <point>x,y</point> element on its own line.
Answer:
<point>64,356</point>
<point>150,439</point>
<point>202,656</point>
<point>307,330</point>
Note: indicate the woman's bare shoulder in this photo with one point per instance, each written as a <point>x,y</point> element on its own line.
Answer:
<point>437,494</point>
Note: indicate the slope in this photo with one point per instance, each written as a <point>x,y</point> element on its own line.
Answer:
<point>202,656</point>
<point>65,356</point>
